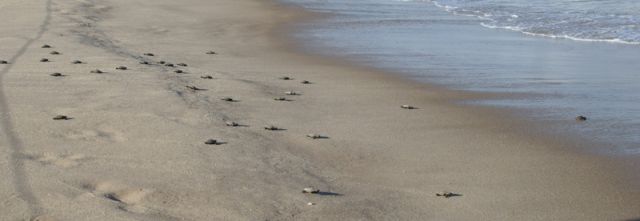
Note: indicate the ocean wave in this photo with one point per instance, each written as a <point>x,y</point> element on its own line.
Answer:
<point>560,21</point>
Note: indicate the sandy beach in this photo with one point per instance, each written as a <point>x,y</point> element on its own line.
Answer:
<point>133,146</point>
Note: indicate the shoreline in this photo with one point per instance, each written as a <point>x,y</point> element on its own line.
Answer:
<point>134,148</point>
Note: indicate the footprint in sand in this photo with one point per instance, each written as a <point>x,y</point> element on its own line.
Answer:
<point>103,134</point>
<point>63,161</point>
<point>118,192</point>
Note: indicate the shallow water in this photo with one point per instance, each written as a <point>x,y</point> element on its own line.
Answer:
<point>564,78</point>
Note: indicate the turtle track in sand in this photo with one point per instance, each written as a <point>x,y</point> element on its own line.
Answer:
<point>19,176</point>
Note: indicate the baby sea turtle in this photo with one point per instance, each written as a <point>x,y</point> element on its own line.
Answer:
<point>280,99</point>
<point>206,77</point>
<point>169,65</point>
<point>581,118</point>
<point>178,71</point>
<point>228,99</point>
<point>54,53</point>
<point>306,82</point>
<point>77,62</point>
<point>46,46</point>
<point>122,68</point>
<point>194,88</point>
<point>182,64</point>
<point>286,78</point>
<point>291,93</point>
<point>61,117</point>
<point>271,127</point>
<point>408,107</point>
<point>96,71</point>
<point>44,60</point>
<point>144,62</point>
<point>211,52</point>
<point>57,74</point>
<point>310,190</point>
<point>4,62</point>
<point>212,142</point>
<point>162,62</point>
<point>317,136</point>
<point>231,124</point>
<point>447,194</point>
<point>149,54</point>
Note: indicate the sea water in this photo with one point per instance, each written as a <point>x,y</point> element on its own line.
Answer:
<point>564,57</point>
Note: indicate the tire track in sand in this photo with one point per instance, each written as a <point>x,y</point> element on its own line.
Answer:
<point>20,179</point>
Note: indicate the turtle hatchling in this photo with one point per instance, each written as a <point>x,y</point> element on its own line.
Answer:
<point>54,53</point>
<point>206,77</point>
<point>291,93</point>
<point>447,194</point>
<point>310,190</point>
<point>231,124</point>
<point>286,78</point>
<point>194,88</point>
<point>57,74</point>
<point>61,117</point>
<point>162,62</point>
<point>4,62</point>
<point>317,136</point>
<point>271,127</point>
<point>44,60</point>
<point>212,142</point>
<point>178,71</point>
<point>169,65</point>
<point>581,118</point>
<point>149,54</point>
<point>144,62</point>
<point>96,71</point>
<point>182,64</point>
<point>211,52</point>
<point>306,82</point>
<point>228,99</point>
<point>46,46</point>
<point>280,99</point>
<point>122,68</point>
<point>407,107</point>
<point>77,62</point>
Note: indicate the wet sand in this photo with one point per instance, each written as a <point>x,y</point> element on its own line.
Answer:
<point>134,148</point>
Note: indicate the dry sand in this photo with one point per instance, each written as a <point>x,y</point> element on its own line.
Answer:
<point>134,148</point>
